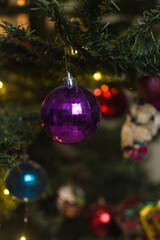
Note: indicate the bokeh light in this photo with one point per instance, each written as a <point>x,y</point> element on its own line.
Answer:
<point>97,76</point>
<point>21,2</point>
<point>74,51</point>
<point>23,238</point>
<point>104,88</point>
<point>1,84</point>
<point>107,94</point>
<point>6,191</point>
<point>114,91</point>
<point>104,217</point>
<point>104,109</point>
<point>97,92</point>
<point>112,101</point>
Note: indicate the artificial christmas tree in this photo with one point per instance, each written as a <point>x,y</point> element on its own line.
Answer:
<point>107,45</point>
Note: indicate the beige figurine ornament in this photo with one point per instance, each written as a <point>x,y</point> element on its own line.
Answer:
<point>141,125</point>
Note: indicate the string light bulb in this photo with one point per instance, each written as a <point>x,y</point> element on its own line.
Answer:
<point>23,238</point>
<point>74,51</point>
<point>21,3</point>
<point>97,76</point>
<point>1,84</point>
<point>6,191</point>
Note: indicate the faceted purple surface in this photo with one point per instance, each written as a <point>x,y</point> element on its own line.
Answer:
<point>70,115</point>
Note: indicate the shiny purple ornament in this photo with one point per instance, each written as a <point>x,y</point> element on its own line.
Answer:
<point>149,90</point>
<point>70,113</point>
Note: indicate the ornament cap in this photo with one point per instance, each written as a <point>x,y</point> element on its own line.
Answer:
<point>69,81</point>
<point>25,158</point>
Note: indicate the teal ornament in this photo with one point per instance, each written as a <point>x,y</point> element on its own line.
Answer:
<point>26,182</point>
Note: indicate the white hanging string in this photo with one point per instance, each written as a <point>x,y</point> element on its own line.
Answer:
<point>68,62</point>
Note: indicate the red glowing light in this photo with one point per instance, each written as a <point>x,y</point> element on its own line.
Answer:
<point>104,109</point>
<point>104,218</point>
<point>104,88</point>
<point>97,92</point>
<point>114,90</point>
<point>107,94</point>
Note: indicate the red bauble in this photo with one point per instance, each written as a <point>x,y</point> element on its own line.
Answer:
<point>149,90</point>
<point>113,102</point>
<point>100,219</point>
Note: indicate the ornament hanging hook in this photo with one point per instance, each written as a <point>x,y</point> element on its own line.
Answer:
<point>69,81</point>
<point>24,156</point>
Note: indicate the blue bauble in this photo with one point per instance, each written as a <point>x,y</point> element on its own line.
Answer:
<point>27,182</point>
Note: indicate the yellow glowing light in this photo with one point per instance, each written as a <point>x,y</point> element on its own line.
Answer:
<point>21,2</point>
<point>1,84</point>
<point>22,238</point>
<point>74,51</point>
<point>25,199</point>
<point>97,76</point>
<point>6,191</point>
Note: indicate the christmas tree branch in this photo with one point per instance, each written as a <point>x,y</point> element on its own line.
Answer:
<point>32,55</point>
<point>138,50</point>
<point>15,130</point>
<point>123,53</point>
<point>26,45</point>
<point>49,223</point>
<point>89,12</point>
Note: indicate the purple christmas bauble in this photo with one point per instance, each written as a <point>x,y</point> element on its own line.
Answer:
<point>149,90</point>
<point>70,114</point>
